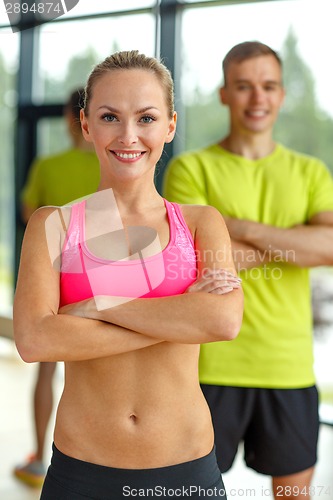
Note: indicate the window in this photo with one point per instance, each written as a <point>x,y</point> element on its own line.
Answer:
<point>52,136</point>
<point>85,7</point>
<point>8,68</point>
<point>66,55</point>
<point>207,35</point>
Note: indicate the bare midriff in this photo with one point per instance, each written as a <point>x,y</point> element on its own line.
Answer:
<point>138,410</point>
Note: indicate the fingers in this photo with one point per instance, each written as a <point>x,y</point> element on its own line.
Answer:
<point>217,281</point>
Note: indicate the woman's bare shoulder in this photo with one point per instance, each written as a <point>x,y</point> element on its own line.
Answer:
<point>54,216</point>
<point>200,213</point>
<point>199,217</point>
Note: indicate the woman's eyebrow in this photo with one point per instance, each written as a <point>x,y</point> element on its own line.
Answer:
<point>115,110</point>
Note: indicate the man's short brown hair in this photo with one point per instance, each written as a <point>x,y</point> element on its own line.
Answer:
<point>247,50</point>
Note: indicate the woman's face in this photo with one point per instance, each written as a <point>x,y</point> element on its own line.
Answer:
<point>128,123</point>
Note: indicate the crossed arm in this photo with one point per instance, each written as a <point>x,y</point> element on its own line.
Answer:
<point>305,245</point>
<point>205,314</point>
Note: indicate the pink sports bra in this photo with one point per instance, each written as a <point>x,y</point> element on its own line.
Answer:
<point>84,275</point>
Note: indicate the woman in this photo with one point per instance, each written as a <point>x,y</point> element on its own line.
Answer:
<point>141,283</point>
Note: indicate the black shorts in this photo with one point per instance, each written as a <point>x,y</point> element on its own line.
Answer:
<point>71,479</point>
<point>279,427</point>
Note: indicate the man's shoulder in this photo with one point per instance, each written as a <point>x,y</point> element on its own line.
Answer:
<point>50,160</point>
<point>65,159</point>
<point>298,156</point>
<point>308,168</point>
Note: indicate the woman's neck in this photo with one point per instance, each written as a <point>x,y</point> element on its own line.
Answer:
<point>133,198</point>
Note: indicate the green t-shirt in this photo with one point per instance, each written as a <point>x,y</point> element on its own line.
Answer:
<point>62,178</point>
<point>274,346</point>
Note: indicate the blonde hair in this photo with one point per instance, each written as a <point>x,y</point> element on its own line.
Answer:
<point>132,60</point>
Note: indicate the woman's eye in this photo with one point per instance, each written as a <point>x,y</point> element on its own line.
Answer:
<point>147,119</point>
<point>107,117</point>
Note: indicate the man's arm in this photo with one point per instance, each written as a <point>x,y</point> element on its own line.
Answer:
<point>27,211</point>
<point>305,245</point>
<point>246,256</point>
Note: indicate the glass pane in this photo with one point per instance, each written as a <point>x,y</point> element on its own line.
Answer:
<point>85,7</point>
<point>322,286</point>
<point>3,15</point>
<point>280,25</point>
<point>52,136</point>
<point>8,68</point>
<point>67,55</point>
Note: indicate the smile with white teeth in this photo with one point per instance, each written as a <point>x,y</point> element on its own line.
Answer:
<point>256,113</point>
<point>128,156</point>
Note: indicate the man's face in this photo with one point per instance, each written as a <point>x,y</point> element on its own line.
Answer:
<point>253,92</point>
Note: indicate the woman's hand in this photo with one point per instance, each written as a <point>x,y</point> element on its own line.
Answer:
<point>217,281</point>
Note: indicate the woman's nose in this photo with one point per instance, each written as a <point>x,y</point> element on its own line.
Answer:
<point>128,135</point>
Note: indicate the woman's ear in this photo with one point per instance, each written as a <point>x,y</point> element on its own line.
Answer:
<point>172,128</point>
<point>85,126</point>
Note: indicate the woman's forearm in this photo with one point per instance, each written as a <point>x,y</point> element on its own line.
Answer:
<point>188,318</point>
<point>63,337</point>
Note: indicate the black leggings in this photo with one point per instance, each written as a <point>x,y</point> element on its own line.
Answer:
<point>71,479</point>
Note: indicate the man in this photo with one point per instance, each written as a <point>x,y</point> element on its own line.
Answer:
<point>278,207</point>
<point>55,180</point>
